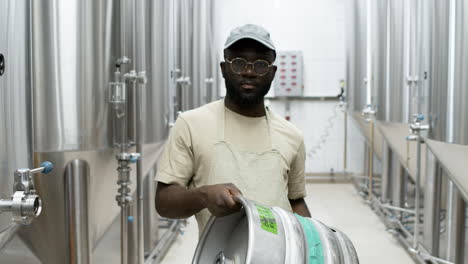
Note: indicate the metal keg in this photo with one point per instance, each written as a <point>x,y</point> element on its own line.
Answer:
<point>260,234</point>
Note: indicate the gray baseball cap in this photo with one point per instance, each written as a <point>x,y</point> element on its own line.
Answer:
<point>250,31</point>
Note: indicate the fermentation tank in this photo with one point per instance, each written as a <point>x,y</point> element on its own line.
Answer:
<point>59,58</point>
<point>157,52</point>
<point>356,55</point>
<point>203,53</point>
<point>458,107</point>
<point>379,57</point>
<point>74,48</point>
<point>188,97</point>
<point>397,64</point>
<point>448,121</point>
<point>15,100</point>
<point>438,73</point>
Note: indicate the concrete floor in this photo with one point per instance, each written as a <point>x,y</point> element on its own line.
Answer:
<point>338,206</point>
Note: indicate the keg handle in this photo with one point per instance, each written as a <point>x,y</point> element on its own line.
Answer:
<point>221,259</point>
<point>239,200</point>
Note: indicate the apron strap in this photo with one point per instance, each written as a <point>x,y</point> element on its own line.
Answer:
<point>222,122</point>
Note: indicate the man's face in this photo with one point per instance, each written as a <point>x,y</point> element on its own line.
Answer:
<point>248,88</point>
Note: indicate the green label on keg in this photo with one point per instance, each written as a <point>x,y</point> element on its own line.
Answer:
<point>267,219</point>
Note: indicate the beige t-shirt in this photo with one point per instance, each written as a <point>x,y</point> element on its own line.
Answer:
<point>192,139</point>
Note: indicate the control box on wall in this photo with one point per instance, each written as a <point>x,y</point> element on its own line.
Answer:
<point>289,79</point>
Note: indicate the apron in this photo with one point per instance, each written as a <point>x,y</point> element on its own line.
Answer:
<point>261,176</point>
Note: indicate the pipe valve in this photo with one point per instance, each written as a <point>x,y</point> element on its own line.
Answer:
<point>416,127</point>
<point>25,204</point>
<point>368,112</point>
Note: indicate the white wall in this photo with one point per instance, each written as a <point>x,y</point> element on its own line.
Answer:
<point>315,27</point>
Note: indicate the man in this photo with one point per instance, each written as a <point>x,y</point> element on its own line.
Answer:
<point>235,146</point>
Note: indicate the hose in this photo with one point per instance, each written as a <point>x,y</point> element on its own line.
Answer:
<point>326,131</point>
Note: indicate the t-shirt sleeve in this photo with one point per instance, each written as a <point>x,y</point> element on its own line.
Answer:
<point>296,181</point>
<point>176,163</point>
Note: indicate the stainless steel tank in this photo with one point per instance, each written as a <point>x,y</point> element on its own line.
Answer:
<point>187,96</point>
<point>356,55</point>
<point>74,48</point>
<point>15,100</point>
<point>261,234</point>
<point>438,73</point>
<point>458,96</point>
<point>397,62</point>
<point>158,103</point>
<point>379,57</point>
<point>203,53</point>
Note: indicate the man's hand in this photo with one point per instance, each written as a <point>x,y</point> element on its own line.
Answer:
<point>219,198</point>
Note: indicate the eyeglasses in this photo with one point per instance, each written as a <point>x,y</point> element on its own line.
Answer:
<point>259,67</point>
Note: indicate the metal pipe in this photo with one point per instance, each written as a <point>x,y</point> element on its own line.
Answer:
<point>369,53</point>
<point>406,62</point>
<point>432,199</point>
<point>371,159</point>
<point>407,233</point>
<point>451,71</point>
<point>123,234</point>
<point>427,256</point>
<point>5,205</point>
<point>455,224</point>
<point>396,208</point>
<point>345,149</point>
<point>164,243</point>
<point>418,191</point>
<point>77,208</point>
<point>421,251</point>
<point>338,177</point>
<point>139,166</point>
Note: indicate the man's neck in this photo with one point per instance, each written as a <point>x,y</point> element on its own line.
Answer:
<point>256,110</point>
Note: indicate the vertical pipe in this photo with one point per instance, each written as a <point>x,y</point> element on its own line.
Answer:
<point>451,222</point>
<point>432,205</point>
<point>139,168</point>
<point>455,224</point>
<point>397,182</point>
<point>407,61</point>
<point>123,234</point>
<point>77,209</point>
<point>451,71</point>
<point>369,53</point>
<point>418,193</point>
<point>385,184</point>
<point>371,159</point>
<point>387,64</point>
<point>123,23</point>
<point>345,149</point>
<point>140,32</point>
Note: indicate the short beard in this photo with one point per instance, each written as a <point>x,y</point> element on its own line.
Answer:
<point>248,100</point>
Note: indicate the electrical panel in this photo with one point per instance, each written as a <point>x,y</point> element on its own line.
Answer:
<point>289,79</point>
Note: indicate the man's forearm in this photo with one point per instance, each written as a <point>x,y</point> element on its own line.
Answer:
<point>300,207</point>
<point>174,201</point>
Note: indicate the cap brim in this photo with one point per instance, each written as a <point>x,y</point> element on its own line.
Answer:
<point>264,43</point>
